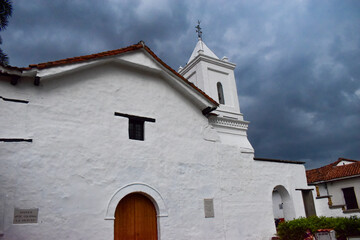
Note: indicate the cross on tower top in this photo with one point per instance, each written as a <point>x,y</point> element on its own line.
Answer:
<point>198,30</point>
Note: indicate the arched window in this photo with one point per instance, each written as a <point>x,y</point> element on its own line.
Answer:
<point>220,93</point>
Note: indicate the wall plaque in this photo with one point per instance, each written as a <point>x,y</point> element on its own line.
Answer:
<point>24,216</point>
<point>209,208</point>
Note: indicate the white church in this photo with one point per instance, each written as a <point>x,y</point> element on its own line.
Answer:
<point>118,145</point>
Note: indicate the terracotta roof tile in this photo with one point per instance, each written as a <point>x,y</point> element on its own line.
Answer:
<point>113,53</point>
<point>331,171</point>
<point>85,58</point>
<point>11,67</point>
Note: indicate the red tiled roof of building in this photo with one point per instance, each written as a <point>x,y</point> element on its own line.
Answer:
<point>85,57</point>
<point>95,56</point>
<point>11,67</point>
<point>332,171</point>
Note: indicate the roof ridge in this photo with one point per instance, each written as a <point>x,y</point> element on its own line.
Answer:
<point>350,160</point>
<point>334,164</point>
<point>332,171</point>
<point>139,45</point>
<point>86,57</point>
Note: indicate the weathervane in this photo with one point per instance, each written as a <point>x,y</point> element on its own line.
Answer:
<point>198,30</point>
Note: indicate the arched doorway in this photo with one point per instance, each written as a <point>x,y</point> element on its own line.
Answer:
<point>283,207</point>
<point>135,218</point>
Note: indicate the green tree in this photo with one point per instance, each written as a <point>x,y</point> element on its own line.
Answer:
<point>5,14</point>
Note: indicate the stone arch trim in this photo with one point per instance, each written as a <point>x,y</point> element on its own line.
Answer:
<point>138,187</point>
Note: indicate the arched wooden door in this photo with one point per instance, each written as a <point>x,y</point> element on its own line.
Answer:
<point>135,218</point>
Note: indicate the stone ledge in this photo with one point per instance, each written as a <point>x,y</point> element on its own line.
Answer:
<point>337,206</point>
<point>351,210</point>
<point>327,196</point>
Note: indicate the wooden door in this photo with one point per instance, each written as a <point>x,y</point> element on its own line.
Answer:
<point>135,218</point>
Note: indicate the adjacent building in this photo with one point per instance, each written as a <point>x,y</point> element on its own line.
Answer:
<point>337,188</point>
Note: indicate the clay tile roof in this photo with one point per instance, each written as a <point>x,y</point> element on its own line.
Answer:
<point>11,67</point>
<point>113,53</point>
<point>332,172</point>
<point>86,57</point>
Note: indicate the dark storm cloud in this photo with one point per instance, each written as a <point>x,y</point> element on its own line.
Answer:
<point>303,93</point>
<point>47,30</point>
<point>298,62</point>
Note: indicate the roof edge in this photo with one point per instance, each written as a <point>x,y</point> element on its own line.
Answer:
<point>335,163</point>
<point>139,45</point>
<point>72,60</point>
<point>178,75</point>
<point>277,160</point>
<point>334,179</point>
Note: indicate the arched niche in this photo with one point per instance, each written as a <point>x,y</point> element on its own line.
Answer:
<point>284,203</point>
<point>143,188</point>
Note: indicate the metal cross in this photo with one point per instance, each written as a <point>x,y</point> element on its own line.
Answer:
<point>198,30</point>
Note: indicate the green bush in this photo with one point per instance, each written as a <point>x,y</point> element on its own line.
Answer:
<point>295,229</point>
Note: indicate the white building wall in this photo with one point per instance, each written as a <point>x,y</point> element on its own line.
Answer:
<point>81,155</point>
<point>322,208</point>
<point>334,189</point>
<point>323,191</point>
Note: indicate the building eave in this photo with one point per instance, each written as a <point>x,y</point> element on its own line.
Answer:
<point>334,180</point>
<point>278,160</point>
<point>208,59</point>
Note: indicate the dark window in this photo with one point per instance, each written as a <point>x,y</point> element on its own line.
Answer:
<point>220,93</point>
<point>136,129</point>
<point>350,198</point>
<point>136,125</point>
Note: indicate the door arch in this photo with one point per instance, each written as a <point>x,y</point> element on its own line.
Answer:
<point>135,218</point>
<point>283,206</point>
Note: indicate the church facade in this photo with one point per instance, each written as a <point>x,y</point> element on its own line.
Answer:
<point>117,145</point>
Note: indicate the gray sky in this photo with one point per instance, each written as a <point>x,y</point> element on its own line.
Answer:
<point>298,61</point>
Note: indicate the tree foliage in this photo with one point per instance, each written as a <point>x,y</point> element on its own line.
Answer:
<point>295,229</point>
<point>5,14</point>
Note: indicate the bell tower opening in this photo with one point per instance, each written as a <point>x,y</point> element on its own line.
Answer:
<point>220,93</point>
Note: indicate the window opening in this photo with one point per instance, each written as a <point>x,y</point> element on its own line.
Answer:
<point>136,129</point>
<point>350,198</point>
<point>220,93</point>
<point>136,125</point>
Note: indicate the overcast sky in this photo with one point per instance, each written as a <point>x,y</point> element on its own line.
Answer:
<point>298,61</point>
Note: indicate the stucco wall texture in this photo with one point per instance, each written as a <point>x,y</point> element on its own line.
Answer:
<point>81,156</point>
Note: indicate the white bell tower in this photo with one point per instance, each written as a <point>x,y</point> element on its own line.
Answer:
<point>216,78</point>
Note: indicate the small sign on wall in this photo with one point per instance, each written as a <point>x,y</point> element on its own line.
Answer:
<point>24,216</point>
<point>209,208</point>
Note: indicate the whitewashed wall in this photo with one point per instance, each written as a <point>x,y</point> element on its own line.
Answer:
<point>81,156</point>
<point>335,189</point>
<point>277,205</point>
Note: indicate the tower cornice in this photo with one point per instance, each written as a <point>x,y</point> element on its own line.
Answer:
<point>207,59</point>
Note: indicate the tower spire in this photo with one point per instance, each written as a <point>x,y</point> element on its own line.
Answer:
<point>198,30</point>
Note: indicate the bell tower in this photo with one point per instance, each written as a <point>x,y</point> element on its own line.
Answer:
<point>216,78</point>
